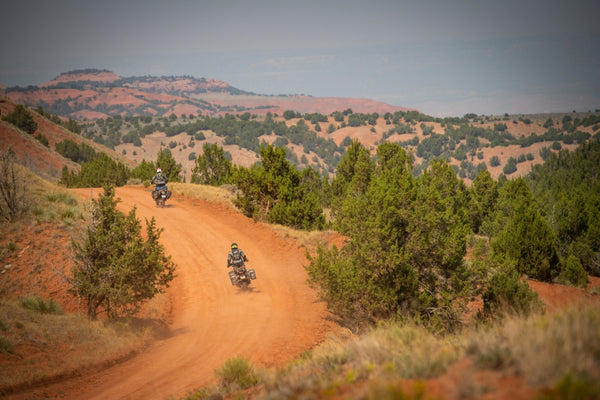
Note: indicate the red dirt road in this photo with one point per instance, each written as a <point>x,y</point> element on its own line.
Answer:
<point>276,319</point>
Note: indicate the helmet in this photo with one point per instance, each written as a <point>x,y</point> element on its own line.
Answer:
<point>234,246</point>
<point>158,170</point>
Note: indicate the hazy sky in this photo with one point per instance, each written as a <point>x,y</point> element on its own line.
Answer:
<point>443,57</point>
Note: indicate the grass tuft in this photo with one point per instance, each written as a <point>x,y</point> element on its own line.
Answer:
<point>237,373</point>
<point>41,306</point>
<point>33,332</point>
<point>573,387</point>
<point>6,345</point>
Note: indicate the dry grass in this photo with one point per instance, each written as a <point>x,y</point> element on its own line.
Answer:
<point>75,342</point>
<point>401,360</point>
<point>308,239</point>
<point>542,348</point>
<point>226,194</point>
<point>546,348</point>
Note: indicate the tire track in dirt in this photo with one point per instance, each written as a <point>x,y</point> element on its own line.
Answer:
<point>275,320</point>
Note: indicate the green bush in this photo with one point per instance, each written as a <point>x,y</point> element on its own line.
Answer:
<point>572,387</point>
<point>507,294</point>
<point>39,305</point>
<point>101,171</point>
<point>407,241</point>
<point>573,272</point>
<point>22,118</point>
<point>4,326</point>
<point>6,345</point>
<point>237,371</point>
<point>43,140</point>
<point>510,167</point>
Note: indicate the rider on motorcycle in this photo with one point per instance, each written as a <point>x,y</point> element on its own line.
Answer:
<point>161,180</point>
<point>236,257</point>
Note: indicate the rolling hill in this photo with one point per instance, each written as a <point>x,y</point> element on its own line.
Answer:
<point>32,153</point>
<point>92,94</point>
<point>184,113</point>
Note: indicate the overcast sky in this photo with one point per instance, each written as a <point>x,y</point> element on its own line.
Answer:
<point>443,57</point>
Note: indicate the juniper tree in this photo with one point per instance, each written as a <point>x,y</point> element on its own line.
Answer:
<point>22,118</point>
<point>169,166</point>
<point>212,166</point>
<point>13,187</point>
<point>407,239</point>
<point>275,191</point>
<point>525,238</point>
<point>116,268</point>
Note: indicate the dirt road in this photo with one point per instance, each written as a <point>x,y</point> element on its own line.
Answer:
<point>211,321</point>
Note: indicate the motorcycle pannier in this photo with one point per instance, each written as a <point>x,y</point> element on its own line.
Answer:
<point>232,277</point>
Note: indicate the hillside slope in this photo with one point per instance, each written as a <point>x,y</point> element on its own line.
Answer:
<point>44,160</point>
<point>278,318</point>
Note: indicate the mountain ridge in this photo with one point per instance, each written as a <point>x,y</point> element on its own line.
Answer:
<point>92,93</point>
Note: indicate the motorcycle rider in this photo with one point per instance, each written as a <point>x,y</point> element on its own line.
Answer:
<point>161,180</point>
<point>236,257</point>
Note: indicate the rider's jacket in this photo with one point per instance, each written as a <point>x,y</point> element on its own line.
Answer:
<point>160,179</point>
<point>236,257</point>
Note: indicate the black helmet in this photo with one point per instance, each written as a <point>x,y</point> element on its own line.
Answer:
<point>234,246</point>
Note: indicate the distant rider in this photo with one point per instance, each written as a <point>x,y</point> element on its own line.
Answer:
<point>236,257</point>
<point>160,179</point>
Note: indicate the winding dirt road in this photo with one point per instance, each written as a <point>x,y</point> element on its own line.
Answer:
<point>211,321</point>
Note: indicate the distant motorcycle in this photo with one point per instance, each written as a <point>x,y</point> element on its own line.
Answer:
<point>160,195</point>
<point>242,277</point>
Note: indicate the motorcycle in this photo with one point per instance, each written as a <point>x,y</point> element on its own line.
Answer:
<point>160,195</point>
<point>242,276</point>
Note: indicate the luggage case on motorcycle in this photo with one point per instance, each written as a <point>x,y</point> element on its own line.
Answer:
<point>232,277</point>
<point>252,274</point>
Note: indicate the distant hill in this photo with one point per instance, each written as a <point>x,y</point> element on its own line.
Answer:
<point>131,119</point>
<point>43,159</point>
<point>91,94</point>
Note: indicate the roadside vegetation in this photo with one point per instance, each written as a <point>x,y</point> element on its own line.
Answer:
<point>36,324</point>
<point>404,269</point>
<point>39,221</point>
<point>399,360</point>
